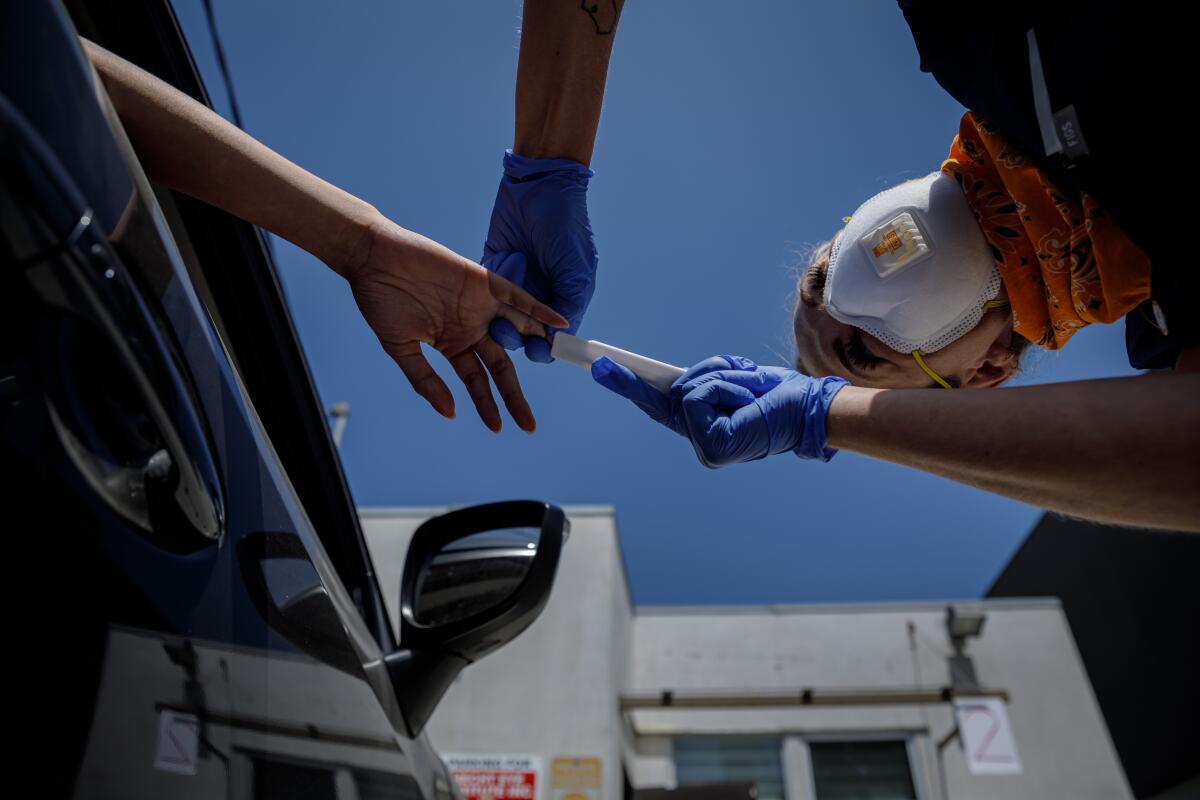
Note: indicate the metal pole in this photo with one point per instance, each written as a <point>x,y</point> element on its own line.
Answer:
<point>341,415</point>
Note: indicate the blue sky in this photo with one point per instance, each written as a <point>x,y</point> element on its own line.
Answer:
<point>733,138</point>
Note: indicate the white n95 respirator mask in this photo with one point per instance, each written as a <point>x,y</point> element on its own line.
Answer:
<point>912,268</point>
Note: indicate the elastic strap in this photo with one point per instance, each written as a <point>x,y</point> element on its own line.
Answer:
<point>938,379</point>
<point>919,356</point>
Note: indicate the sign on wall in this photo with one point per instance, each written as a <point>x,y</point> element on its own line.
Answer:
<point>495,776</point>
<point>575,778</point>
<point>986,736</point>
<point>178,743</point>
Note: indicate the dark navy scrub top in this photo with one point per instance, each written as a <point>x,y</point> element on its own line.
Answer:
<point>1096,74</point>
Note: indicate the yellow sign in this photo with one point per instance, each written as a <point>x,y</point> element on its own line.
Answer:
<point>575,778</point>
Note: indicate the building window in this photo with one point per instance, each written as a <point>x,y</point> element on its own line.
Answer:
<point>291,780</point>
<point>858,770</point>
<point>275,780</point>
<point>733,759</point>
<point>386,786</point>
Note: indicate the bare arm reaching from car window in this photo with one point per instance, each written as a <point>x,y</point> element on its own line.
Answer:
<point>411,290</point>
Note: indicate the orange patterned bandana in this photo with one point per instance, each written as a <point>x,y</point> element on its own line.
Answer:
<point>1064,262</point>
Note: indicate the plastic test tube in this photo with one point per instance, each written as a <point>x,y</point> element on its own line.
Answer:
<point>582,352</point>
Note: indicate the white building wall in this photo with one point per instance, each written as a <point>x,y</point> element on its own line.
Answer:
<point>554,691</point>
<point>1026,648</point>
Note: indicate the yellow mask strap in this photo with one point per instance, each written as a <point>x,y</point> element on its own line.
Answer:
<point>938,379</point>
<point>919,357</point>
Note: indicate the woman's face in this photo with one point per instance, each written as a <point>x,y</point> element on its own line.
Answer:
<point>982,358</point>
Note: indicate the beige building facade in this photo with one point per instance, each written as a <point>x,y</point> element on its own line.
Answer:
<point>600,698</point>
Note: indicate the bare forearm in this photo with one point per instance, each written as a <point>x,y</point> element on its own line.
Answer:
<point>563,65</point>
<point>1124,451</point>
<point>186,146</point>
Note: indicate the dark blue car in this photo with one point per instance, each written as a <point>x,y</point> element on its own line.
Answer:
<point>194,610</point>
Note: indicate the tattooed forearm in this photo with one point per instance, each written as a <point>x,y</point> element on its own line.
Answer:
<point>603,14</point>
<point>561,73</point>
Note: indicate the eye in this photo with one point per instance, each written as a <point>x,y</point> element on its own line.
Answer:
<point>859,355</point>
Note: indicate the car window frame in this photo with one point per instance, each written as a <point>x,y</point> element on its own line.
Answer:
<point>237,279</point>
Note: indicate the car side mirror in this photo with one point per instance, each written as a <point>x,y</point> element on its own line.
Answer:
<point>473,580</point>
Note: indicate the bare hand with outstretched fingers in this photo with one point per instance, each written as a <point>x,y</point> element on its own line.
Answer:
<point>413,291</point>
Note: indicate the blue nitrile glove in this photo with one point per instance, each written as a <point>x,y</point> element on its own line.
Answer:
<point>743,415</point>
<point>541,214</point>
<point>666,409</point>
<point>740,414</point>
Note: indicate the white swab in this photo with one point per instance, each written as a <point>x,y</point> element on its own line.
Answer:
<point>582,352</point>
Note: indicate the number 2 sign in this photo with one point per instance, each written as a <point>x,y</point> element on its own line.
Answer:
<point>986,737</point>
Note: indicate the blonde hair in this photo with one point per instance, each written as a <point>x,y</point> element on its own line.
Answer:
<point>811,288</point>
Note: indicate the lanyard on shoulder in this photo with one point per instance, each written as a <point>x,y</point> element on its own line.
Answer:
<point>1060,129</point>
